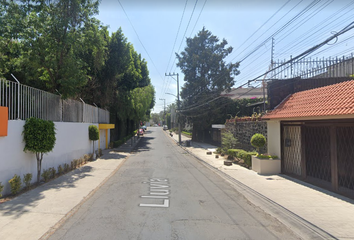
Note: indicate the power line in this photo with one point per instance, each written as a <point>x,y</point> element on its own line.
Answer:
<point>297,58</point>
<point>136,33</point>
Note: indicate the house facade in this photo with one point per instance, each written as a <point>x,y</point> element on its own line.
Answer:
<point>313,132</point>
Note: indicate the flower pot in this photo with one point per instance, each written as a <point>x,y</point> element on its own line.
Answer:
<point>266,166</point>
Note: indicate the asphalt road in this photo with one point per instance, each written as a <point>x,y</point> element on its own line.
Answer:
<point>161,192</point>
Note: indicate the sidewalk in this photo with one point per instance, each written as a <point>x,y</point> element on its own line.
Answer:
<point>330,214</point>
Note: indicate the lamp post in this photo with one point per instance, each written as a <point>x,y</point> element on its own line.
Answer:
<point>178,104</point>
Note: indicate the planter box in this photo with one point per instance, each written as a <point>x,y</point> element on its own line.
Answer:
<point>266,166</point>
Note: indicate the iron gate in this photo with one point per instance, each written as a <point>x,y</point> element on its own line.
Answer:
<point>317,152</point>
<point>291,145</point>
<point>345,156</point>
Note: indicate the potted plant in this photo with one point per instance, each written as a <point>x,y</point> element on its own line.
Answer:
<point>264,163</point>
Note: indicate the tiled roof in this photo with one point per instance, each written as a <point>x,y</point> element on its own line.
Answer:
<point>332,100</point>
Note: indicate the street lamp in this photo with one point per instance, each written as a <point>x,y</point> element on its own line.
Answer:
<point>178,103</point>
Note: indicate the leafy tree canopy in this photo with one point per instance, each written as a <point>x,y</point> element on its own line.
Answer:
<point>206,75</point>
<point>205,71</point>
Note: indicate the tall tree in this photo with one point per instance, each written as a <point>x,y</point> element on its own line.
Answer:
<point>206,75</point>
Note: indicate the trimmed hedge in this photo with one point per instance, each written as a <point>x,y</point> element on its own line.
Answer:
<point>242,154</point>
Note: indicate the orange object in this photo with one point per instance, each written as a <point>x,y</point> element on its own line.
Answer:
<point>4,119</point>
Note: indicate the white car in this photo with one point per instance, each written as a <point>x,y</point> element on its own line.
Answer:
<point>165,127</point>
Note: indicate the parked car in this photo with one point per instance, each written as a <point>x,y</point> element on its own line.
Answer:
<point>165,127</point>
<point>141,131</point>
<point>144,128</point>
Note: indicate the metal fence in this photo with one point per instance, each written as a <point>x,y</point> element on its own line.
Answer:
<point>314,68</point>
<point>25,102</point>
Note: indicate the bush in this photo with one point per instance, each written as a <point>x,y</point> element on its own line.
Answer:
<point>258,141</point>
<point>232,152</point>
<point>187,133</point>
<point>94,133</point>
<point>27,178</point>
<point>86,158</point>
<point>52,172</point>
<point>66,167</point>
<point>46,175</point>
<point>15,184</point>
<point>1,189</point>
<point>60,170</point>
<point>265,156</point>
<point>228,141</point>
<point>39,138</point>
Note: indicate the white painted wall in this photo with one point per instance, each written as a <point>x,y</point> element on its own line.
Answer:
<point>274,138</point>
<point>72,142</point>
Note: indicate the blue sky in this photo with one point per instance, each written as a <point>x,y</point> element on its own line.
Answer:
<point>157,30</point>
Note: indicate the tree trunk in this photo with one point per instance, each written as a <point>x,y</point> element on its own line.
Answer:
<point>39,157</point>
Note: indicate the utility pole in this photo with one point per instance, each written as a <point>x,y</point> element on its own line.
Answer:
<point>178,105</point>
<point>164,115</point>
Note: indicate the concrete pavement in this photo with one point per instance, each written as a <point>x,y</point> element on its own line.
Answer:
<point>304,208</point>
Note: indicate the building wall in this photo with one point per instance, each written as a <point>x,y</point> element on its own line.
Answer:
<point>274,138</point>
<point>244,131</point>
<point>72,142</point>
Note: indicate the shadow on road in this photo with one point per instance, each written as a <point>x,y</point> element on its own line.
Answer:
<point>143,144</point>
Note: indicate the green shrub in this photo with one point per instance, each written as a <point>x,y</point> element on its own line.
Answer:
<point>52,172</point>
<point>27,178</point>
<point>219,150</point>
<point>60,170</point>
<point>46,175</point>
<point>1,189</point>
<point>187,133</point>
<point>15,184</point>
<point>39,138</point>
<point>264,156</point>
<point>246,156</point>
<point>94,135</point>
<point>66,167</point>
<point>228,141</point>
<point>232,152</point>
<point>86,158</point>
<point>100,153</point>
<point>258,141</point>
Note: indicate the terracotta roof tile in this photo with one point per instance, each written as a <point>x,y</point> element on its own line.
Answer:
<point>332,100</point>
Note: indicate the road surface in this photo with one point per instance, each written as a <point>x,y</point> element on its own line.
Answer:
<point>162,192</point>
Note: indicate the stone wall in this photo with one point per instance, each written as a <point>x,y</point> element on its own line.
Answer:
<point>244,131</point>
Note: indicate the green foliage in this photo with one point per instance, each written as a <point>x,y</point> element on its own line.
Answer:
<point>87,157</point>
<point>246,156</point>
<point>258,141</point>
<point>94,133</point>
<point>46,175</point>
<point>39,138</point>
<point>267,156</point>
<point>39,135</point>
<point>1,189</point>
<point>53,172</point>
<point>15,184</point>
<point>206,75</point>
<point>27,178</point>
<point>60,170</point>
<point>228,141</point>
<point>242,154</point>
<point>66,167</point>
<point>187,133</point>
<point>232,152</point>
